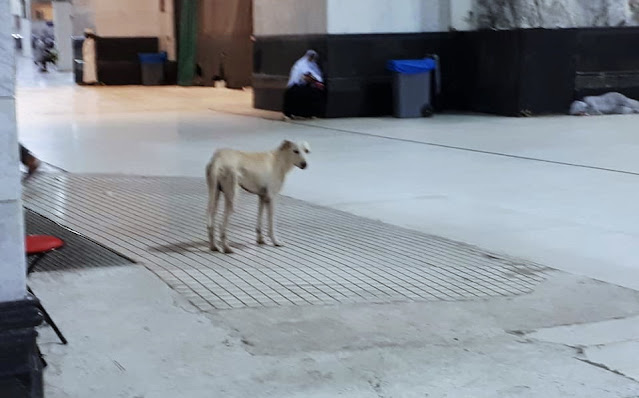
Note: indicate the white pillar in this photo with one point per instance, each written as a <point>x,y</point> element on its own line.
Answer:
<point>444,23</point>
<point>63,29</point>
<point>12,262</point>
<point>387,16</point>
<point>167,31</point>
<point>297,17</point>
<point>25,32</point>
<point>289,17</point>
<point>461,14</point>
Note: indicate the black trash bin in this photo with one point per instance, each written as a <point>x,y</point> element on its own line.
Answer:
<point>412,87</point>
<point>152,65</point>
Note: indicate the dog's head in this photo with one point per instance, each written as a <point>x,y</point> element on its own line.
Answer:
<point>296,153</point>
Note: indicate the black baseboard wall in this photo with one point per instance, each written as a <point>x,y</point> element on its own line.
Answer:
<point>117,58</point>
<point>513,72</point>
<point>20,363</point>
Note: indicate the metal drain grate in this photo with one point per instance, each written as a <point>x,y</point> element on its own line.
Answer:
<point>330,256</point>
<point>78,252</point>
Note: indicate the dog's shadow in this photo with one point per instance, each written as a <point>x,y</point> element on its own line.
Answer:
<point>198,246</point>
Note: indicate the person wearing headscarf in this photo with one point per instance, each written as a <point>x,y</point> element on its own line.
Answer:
<point>304,95</point>
<point>89,65</point>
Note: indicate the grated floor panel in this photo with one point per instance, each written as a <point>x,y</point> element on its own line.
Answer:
<point>329,256</point>
<point>78,251</point>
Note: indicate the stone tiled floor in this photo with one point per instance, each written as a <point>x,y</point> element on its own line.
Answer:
<point>330,257</point>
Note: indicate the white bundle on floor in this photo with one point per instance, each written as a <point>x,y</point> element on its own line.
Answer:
<point>606,104</point>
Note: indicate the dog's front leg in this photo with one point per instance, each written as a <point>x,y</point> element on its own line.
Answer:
<point>230,190</point>
<point>271,227</point>
<point>260,216</point>
<point>214,197</point>
<point>228,210</point>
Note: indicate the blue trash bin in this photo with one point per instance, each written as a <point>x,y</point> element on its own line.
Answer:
<point>152,67</point>
<point>412,86</point>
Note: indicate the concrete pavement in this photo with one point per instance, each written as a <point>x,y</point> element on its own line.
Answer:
<point>558,191</point>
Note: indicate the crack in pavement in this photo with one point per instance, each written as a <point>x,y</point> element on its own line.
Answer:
<point>605,367</point>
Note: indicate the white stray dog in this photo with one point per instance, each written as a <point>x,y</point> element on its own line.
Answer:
<point>260,173</point>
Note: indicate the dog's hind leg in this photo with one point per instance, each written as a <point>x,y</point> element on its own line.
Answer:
<point>214,197</point>
<point>271,227</point>
<point>229,188</point>
<point>260,216</point>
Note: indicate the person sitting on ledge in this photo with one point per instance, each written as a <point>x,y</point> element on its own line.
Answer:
<point>304,97</point>
<point>89,66</point>
<point>606,104</point>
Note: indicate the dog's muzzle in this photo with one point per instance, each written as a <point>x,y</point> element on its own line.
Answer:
<point>303,165</point>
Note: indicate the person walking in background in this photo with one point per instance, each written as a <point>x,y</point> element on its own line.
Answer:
<point>89,66</point>
<point>44,53</point>
<point>304,95</point>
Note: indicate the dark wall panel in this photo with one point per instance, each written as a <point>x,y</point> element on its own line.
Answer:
<point>609,49</point>
<point>512,72</point>
<point>124,48</point>
<point>117,58</point>
<point>491,72</point>
<point>547,70</point>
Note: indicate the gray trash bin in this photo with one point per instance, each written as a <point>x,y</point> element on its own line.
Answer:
<point>152,66</point>
<point>412,87</point>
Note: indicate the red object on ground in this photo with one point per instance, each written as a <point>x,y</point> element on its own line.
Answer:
<point>39,244</point>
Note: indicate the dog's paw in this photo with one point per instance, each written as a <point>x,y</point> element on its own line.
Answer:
<point>214,248</point>
<point>228,250</point>
<point>260,241</point>
<point>277,243</point>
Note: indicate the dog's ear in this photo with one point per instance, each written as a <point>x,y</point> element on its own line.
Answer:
<point>286,145</point>
<point>305,147</point>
